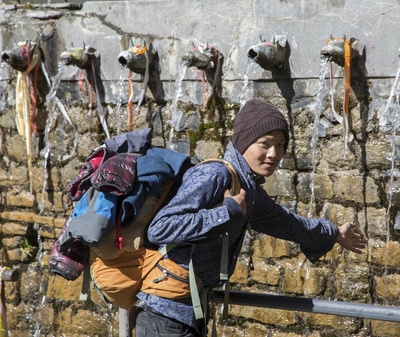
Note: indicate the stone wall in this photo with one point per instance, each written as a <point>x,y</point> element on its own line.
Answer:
<point>314,177</point>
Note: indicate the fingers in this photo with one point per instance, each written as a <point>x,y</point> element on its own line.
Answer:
<point>242,194</point>
<point>227,194</point>
<point>353,225</point>
<point>350,238</point>
<point>359,238</point>
<point>239,198</point>
<point>358,241</point>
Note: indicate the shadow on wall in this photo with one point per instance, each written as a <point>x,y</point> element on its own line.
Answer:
<point>209,61</point>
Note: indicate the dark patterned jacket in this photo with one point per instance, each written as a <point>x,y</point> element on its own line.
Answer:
<point>199,214</point>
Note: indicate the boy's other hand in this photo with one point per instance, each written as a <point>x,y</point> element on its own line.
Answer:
<point>239,198</point>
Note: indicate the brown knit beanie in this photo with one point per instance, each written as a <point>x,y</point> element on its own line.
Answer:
<point>254,120</point>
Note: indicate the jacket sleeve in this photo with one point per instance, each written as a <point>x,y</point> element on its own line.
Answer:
<point>197,213</point>
<point>315,236</point>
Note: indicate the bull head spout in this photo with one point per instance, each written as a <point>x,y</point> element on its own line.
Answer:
<point>209,60</point>
<point>201,57</point>
<point>136,58</point>
<point>23,57</point>
<point>270,55</point>
<point>80,57</point>
<point>334,50</point>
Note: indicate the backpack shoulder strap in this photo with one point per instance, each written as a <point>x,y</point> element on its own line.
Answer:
<point>198,292</point>
<point>235,189</point>
<point>235,183</point>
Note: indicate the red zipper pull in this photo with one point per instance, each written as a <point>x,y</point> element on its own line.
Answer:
<point>119,238</point>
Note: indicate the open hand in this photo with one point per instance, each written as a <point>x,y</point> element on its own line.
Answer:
<point>350,239</point>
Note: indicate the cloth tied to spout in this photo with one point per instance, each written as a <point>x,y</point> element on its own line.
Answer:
<point>22,101</point>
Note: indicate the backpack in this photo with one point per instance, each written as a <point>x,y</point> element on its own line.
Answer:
<point>119,274</point>
<point>120,257</point>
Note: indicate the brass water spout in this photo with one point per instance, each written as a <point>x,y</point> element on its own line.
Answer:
<point>80,57</point>
<point>270,55</point>
<point>136,58</point>
<point>334,50</point>
<point>199,57</point>
<point>20,58</point>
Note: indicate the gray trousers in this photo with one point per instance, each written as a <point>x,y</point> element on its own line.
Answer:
<point>150,324</point>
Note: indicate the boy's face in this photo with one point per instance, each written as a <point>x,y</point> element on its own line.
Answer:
<point>264,155</point>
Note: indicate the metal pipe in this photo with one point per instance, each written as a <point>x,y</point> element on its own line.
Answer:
<point>125,329</point>
<point>369,311</point>
<point>9,275</point>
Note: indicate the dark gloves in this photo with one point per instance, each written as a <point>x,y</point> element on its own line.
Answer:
<point>116,175</point>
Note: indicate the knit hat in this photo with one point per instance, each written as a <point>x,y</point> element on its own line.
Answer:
<point>254,120</point>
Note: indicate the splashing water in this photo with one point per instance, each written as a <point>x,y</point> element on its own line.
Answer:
<point>110,325</point>
<point>3,65</point>
<point>39,314</point>
<point>324,67</point>
<point>249,64</point>
<point>178,93</point>
<point>35,312</point>
<point>56,81</point>
<point>50,101</point>
<point>100,111</point>
<point>393,90</point>
<point>120,96</point>
<point>55,98</point>
<point>392,158</point>
<point>307,266</point>
<point>45,153</point>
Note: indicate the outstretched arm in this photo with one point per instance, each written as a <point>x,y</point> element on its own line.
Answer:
<point>349,239</point>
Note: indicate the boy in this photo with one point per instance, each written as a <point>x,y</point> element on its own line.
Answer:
<point>203,210</point>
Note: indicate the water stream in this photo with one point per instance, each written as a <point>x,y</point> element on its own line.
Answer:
<point>176,117</point>
<point>120,96</point>
<point>394,106</point>
<point>51,102</point>
<point>3,65</point>
<point>100,111</point>
<point>324,68</point>
<point>249,64</point>
<point>42,291</point>
<point>56,81</point>
<point>110,324</point>
<point>52,115</point>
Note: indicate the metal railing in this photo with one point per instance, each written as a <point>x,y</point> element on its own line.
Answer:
<point>328,307</point>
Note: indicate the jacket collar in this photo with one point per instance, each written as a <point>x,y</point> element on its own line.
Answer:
<point>237,160</point>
